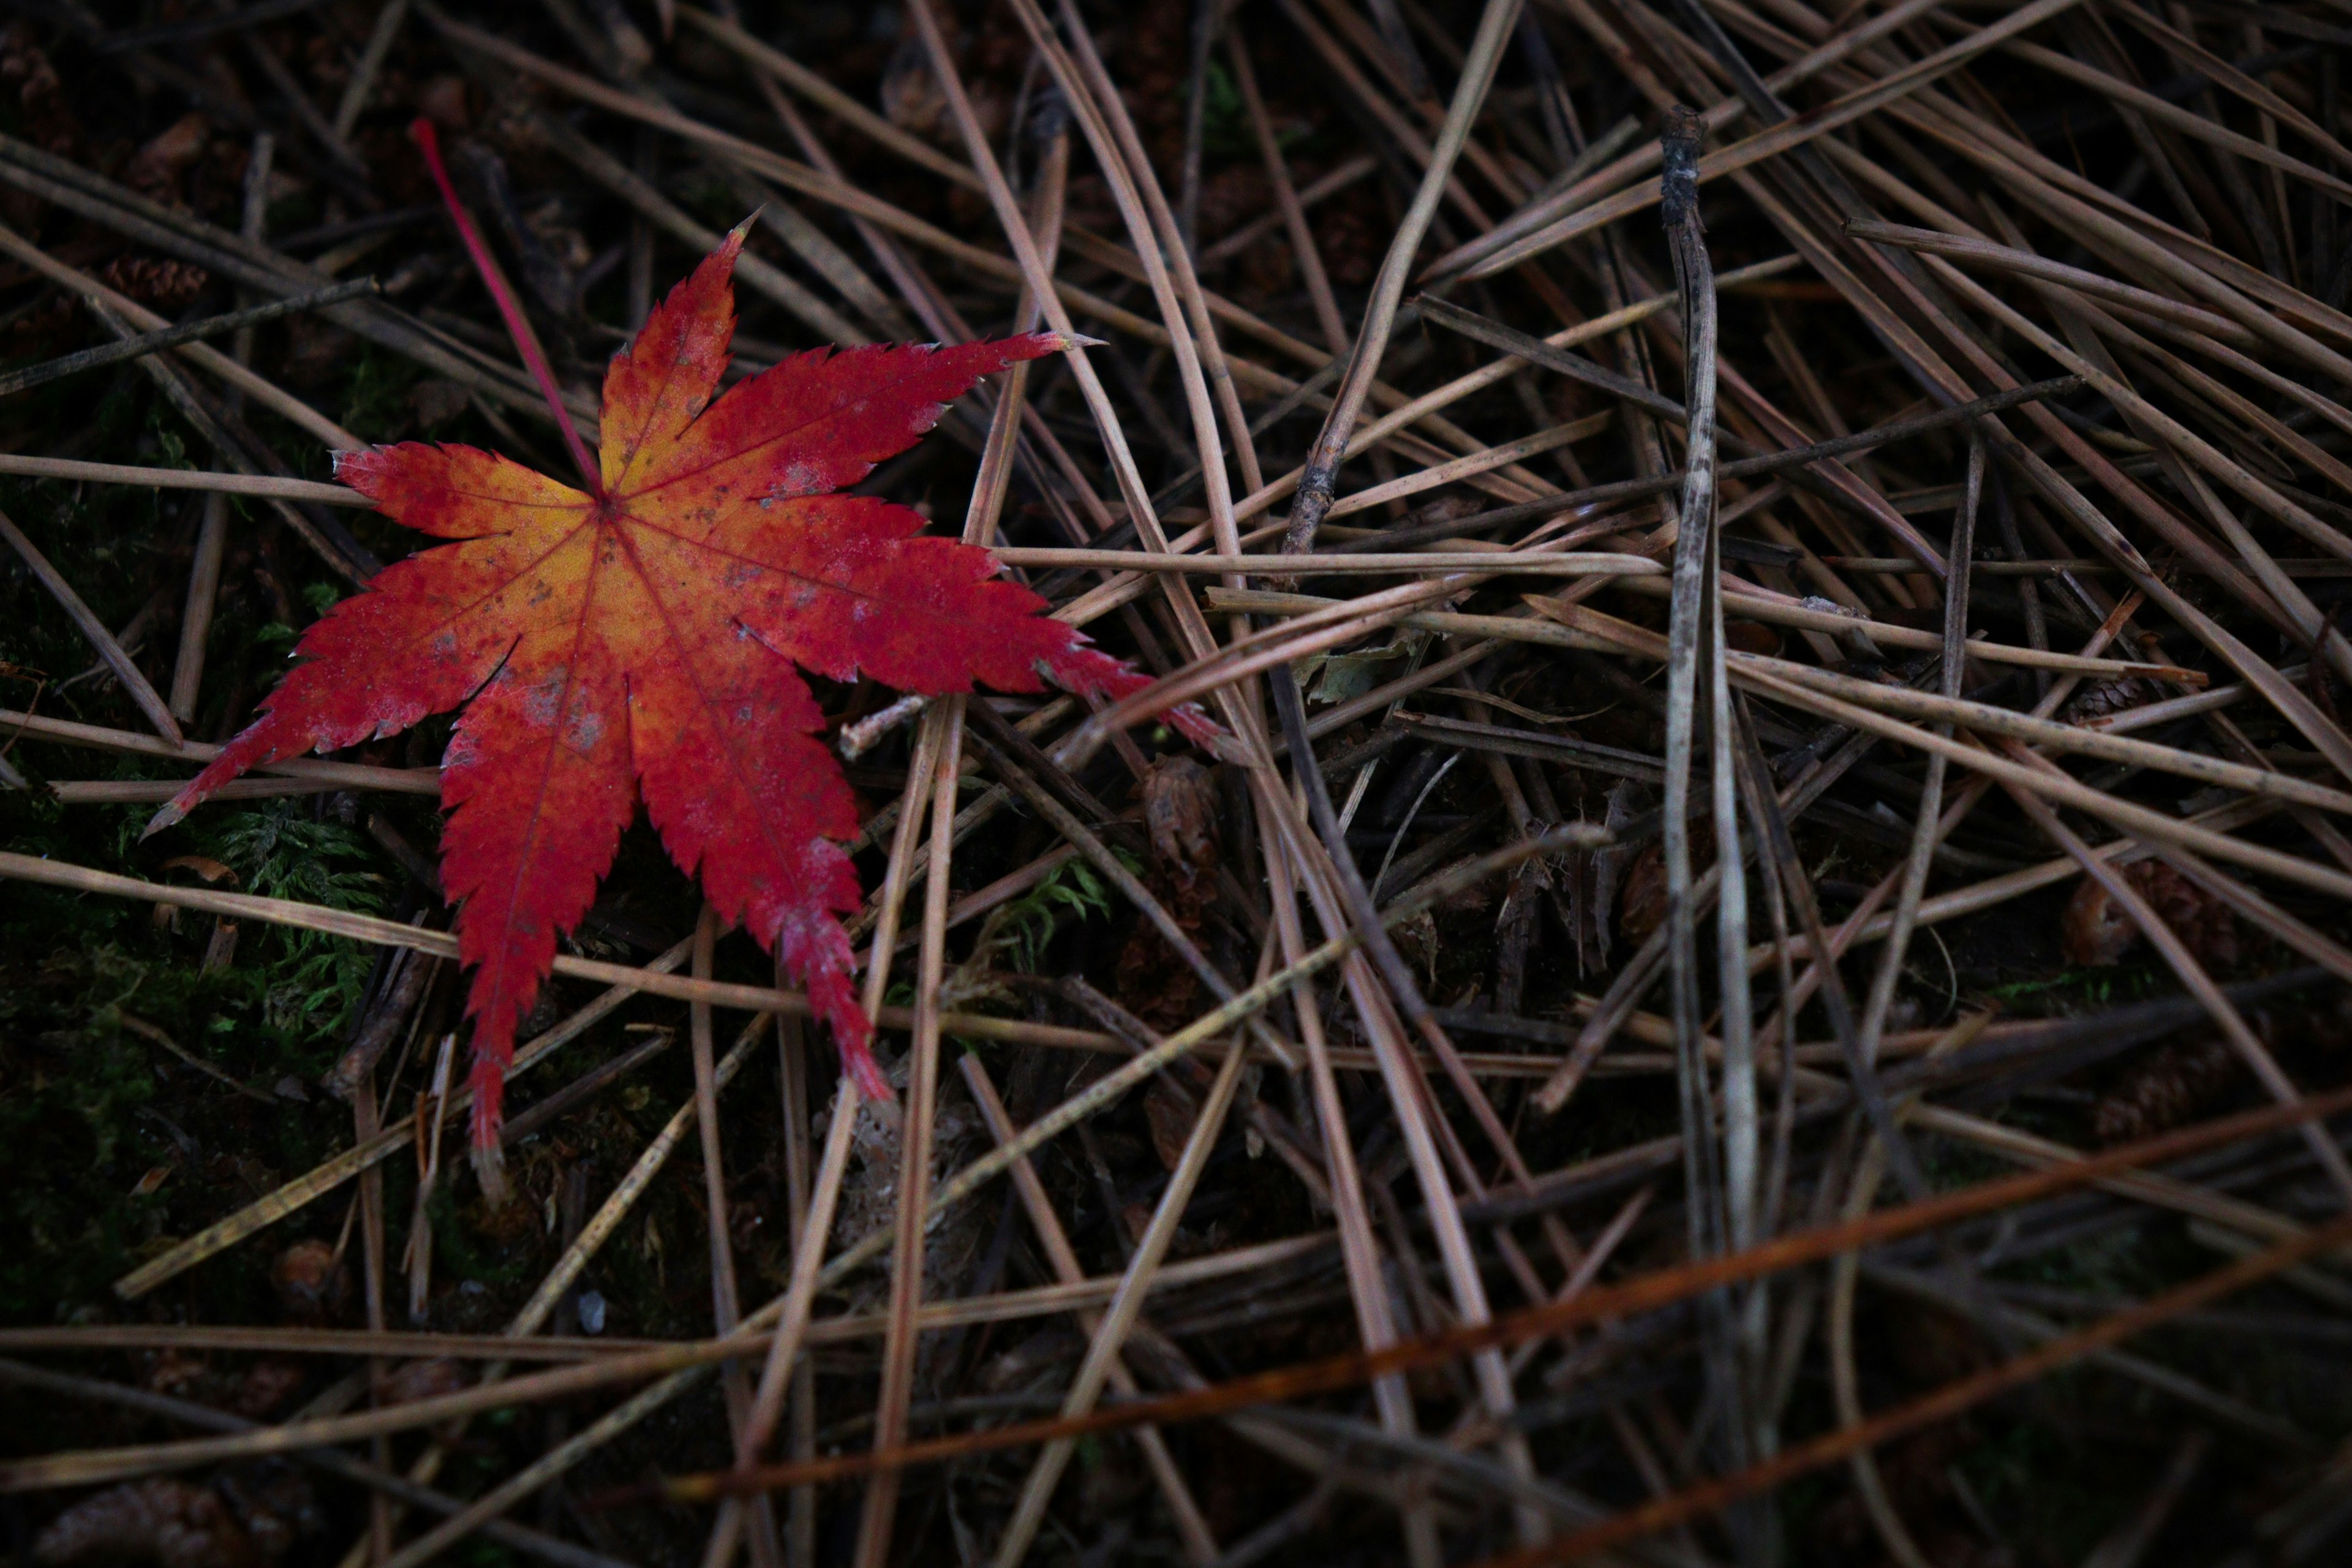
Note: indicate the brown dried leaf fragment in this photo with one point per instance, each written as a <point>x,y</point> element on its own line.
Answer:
<point>313,1286</point>
<point>1179,810</point>
<point>1169,1112</point>
<point>1641,895</point>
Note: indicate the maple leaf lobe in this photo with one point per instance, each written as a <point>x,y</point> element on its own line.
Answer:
<point>640,645</point>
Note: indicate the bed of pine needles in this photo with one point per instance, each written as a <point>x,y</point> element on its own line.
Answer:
<point>1921,479</point>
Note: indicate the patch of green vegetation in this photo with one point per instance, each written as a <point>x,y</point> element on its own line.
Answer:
<point>375,403</point>
<point>2104,986</point>
<point>2032,1482</point>
<point>279,852</point>
<point>1026,926</point>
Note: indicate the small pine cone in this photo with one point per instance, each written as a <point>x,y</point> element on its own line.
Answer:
<point>2095,930</point>
<point>2107,696</point>
<point>164,286</point>
<point>2164,1090</point>
<point>161,1521</point>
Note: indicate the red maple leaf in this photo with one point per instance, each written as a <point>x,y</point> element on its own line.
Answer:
<point>637,639</point>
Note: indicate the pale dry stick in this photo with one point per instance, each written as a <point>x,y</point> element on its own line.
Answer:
<point>310,770</point>
<point>204,356</point>
<point>391,933</point>
<point>375,1544</point>
<point>196,617</point>
<point>133,681</point>
<point>418,1258</point>
<point>1966,244</point>
<point>726,1301</point>
<point>1304,252</point>
<point>1110,1334</point>
<point>1377,563</point>
<point>267,486</point>
<point>914,1179</point>
<point>1321,472</point>
<point>1694,664</point>
<point>141,345</point>
<point>1192,1527</point>
<point>2062,789</point>
<point>792,1312</point>
<point>849,1328</point>
<point>2107,745</point>
<point>1470,464</point>
<point>989,486</point>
